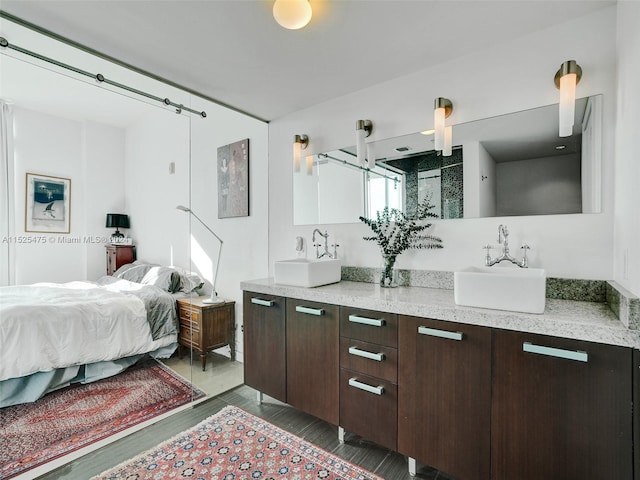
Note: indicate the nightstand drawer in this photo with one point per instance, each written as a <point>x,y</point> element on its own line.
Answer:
<point>189,336</point>
<point>190,316</point>
<point>369,358</point>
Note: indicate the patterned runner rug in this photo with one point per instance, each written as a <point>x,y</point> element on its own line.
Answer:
<point>235,445</point>
<point>74,417</point>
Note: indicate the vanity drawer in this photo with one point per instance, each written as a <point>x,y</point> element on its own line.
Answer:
<point>369,407</point>
<point>369,358</point>
<point>369,326</point>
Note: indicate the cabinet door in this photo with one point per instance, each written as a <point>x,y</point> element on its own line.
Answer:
<point>444,396</point>
<point>636,414</point>
<point>561,409</point>
<point>265,344</point>
<point>312,358</point>
<point>368,407</point>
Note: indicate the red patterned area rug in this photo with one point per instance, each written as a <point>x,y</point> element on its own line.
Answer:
<point>235,445</point>
<point>75,417</point>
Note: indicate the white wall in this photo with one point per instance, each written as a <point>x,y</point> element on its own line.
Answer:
<point>627,172</point>
<point>547,184</point>
<point>245,248</point>
<point>511,77</point>
<point>103,187</point>
<point>487,179</point>
<point>158,230</point>
<point>91,156</point>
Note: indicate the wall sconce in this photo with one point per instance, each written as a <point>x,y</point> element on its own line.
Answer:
<point>363,130</point>
<point>566,80</point>
<point>292,14</point>
<point>309,161</point>
<point>448,141</point>
<point>441,110</point>
<point>300,142</point>
<point>371,156</point>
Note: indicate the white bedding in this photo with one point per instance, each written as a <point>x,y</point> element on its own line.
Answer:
<point>47,326</point>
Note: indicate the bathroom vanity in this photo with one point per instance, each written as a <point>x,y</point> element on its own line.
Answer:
<point>475,393</point>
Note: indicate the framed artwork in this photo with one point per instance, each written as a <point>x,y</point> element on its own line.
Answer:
<point>47,205</point>
<point>233,179</point>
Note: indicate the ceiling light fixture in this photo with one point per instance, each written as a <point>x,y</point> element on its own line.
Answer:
<point>363,130</point>
<point>566,80</point>
<point>292,14</point>
<point>300,142</point>
<point>442,109</point>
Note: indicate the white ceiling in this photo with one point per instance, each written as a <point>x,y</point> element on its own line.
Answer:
<point>234,52</point>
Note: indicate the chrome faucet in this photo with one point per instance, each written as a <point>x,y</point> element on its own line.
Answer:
<point>326,252</point>
<point>503,238</point>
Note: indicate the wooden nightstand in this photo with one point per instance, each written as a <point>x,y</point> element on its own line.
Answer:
<point>205,327</point>
<point>118,255</point>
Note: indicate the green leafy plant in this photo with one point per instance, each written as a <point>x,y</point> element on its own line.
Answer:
<point>396,232</point>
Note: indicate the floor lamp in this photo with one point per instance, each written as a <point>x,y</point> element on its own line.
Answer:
<point>214,296</point>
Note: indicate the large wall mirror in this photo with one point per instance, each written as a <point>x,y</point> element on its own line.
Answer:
<point>509,165</point>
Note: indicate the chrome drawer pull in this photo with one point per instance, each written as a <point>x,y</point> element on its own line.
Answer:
<point>367,321</point>
<point>310,311</point>
<point>577,355</point>
<point>364,354</point>
<point>367,388</point>
<point>440,333</point>
<point>259,301</point>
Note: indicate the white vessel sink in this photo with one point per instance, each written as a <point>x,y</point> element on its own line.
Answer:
<point>501,288</point>
<point>302,272</point>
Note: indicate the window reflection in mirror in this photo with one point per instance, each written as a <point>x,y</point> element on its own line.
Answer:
<point>513,164</point>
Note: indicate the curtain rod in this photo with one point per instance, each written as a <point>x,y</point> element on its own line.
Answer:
<point>353,165</point>
<point>109,58</point>
<point>4,43</point>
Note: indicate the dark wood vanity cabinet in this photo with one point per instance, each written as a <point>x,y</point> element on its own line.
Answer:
<point>636,414</point>
<point>265,362</point>
<point>444,396</point>
<point>562,409</point>
<point>369,375</point>
<point>312,358</point>
<point>475,402</point>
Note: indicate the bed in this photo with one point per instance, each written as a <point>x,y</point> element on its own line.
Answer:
<point>52,335</point>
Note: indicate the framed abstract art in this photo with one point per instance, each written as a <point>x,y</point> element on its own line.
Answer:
<point>233,179</point>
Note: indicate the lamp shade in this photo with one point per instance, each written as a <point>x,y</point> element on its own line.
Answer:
<point>441,110</point>
<point>300,142</point>
<point>566,79</point>
<point>360,146</point>
<point>117,220</point>
<point>438,125</point>
<point>448,141</point>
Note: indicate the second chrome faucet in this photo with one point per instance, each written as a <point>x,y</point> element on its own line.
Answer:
<point>503,239</point>
<point>326,252</point>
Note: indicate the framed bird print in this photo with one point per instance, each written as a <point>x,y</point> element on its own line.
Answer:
<point>47,206</point>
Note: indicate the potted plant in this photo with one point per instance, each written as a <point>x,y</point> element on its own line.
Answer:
<point>395,232</point>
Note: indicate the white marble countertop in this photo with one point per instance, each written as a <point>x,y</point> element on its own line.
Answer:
<point>588,321</point>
